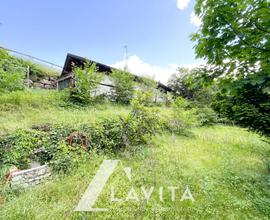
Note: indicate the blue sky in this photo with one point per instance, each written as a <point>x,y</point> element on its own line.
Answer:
<point>156,31</point>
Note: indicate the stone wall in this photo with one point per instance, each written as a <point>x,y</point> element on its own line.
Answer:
<point>46,82</point>
<point>30,177</point>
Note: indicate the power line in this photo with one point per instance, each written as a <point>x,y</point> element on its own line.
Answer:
<point>31,57</point>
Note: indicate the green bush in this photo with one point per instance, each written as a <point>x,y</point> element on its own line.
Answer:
<point>51,144</point>
<point>64,159</point>
<point>123,89</point>
<point>249,106</point>
<point>149,86</point>
<point>21,147</point>
<point>143,121</point>
<point>87,80</point>
<point>183,117</point>
<point>193,85</point>
<point>206,116</point>
<point>135,129</point>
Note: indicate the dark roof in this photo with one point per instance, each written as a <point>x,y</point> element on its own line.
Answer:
<point>72,60</point>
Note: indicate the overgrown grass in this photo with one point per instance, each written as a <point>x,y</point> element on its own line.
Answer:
<point>224,168</point>
<point>22,109</point>
<point>38,68</point>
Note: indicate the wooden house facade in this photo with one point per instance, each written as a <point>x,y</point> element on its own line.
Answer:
<point>66,79</point>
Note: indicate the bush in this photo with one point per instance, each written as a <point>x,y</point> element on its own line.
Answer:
<point>54,144</point>
<point>135,129</point>
<point>206,116</point>
<point>87,80</point>
<point>193,85</point>
<point>15,149</point>
<point>143,121</point>
<point>183,116</point>
<point>249,106</point>
<point>149,86</point>
<point>123,89</point>
<point>64,159</point>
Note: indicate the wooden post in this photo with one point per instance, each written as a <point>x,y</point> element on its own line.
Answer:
<point>28,77</point>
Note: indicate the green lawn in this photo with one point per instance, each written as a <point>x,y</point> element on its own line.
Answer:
<point>224,168</point>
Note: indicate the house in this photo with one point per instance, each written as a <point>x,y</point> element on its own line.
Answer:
<point>66,79</point>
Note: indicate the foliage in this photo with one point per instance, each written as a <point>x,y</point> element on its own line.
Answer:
<point>183,116</point>
<point>20,147</point>
<point>234,34</point>
<point>87,80</point>
<point>122,132</point>
<point>234,38</point>
<point>49,144</point>
<point>149,86</point>
<point>64,160</point>
<point>22,109</point>
<point>191,85</point>
<point>11,75</point>
<point>16,148</point>
<point>143,121</point>
<point>222,165</point>
<point>147,83</point>
<point>36,68</point>
<point>248,107</point>
<point>35,98</point>
<point>206,116</point>
<point>123,86</point>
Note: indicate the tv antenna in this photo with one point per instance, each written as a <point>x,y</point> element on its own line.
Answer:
<point>126,58</point>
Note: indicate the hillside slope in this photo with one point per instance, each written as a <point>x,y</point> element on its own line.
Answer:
<point>222,166</point>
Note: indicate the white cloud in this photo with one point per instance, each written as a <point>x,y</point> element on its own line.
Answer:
<point>182,4</point>
<point>141,68</point>
<point>195,20</point>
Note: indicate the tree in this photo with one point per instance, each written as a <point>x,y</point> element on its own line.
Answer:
<point>234,39</point>
<point>86,81</point>
<point>123,89</point>
<point>148,86</point>
<point>191,84</point>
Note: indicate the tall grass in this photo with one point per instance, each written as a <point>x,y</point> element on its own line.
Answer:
<point>22,109</point>
<point>223,167</point>
<point>30,98</point>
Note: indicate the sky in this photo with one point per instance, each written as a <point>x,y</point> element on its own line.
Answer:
<point>157,32</point>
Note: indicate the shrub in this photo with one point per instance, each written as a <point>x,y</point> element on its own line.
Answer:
<point>135,129</point>
<point>123,89</point>
<point>249,106</point>
<point>206,116</point>
<point>87,80</point>
<point>52,145</point>
<point>149,86</point>
<point>15,149</point>
<point>192,84</point>
<point>143,121</point>
<point>63,160</point>
<point>183,116</point>
<point>144,98</point>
